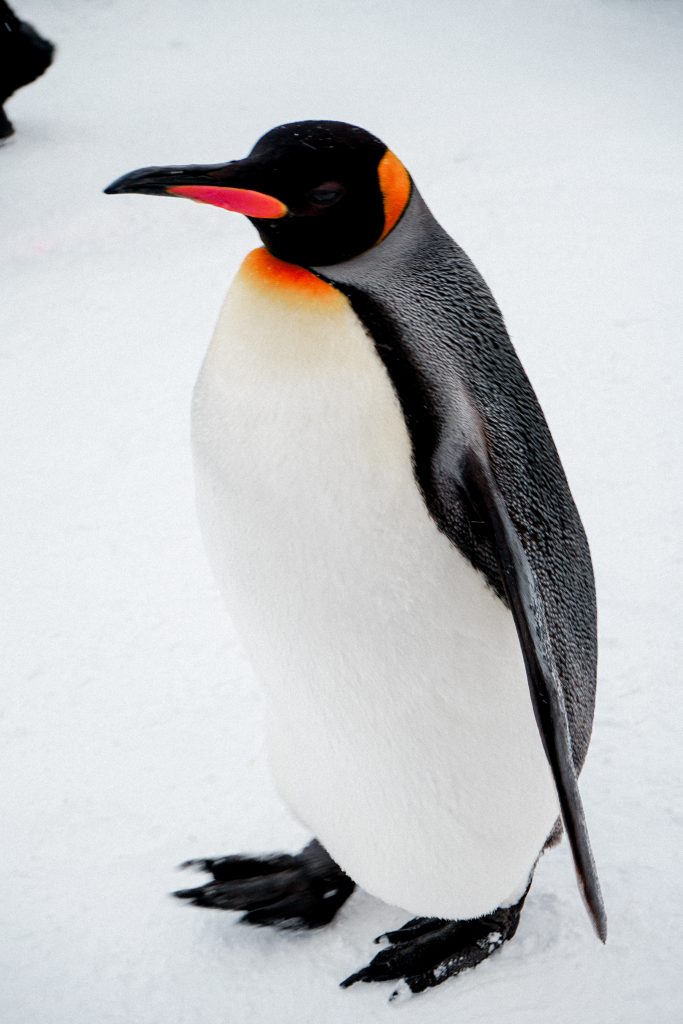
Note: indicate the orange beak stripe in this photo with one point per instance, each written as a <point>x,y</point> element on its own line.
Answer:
<point>395,185</point>
<point>237,200</point>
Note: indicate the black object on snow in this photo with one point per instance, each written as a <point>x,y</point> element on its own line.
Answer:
<point>24,56</point>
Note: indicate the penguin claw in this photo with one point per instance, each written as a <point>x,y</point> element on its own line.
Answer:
<point>361,975</point>
<point>401,993</point>
<point>411,930</point>
<point>236,866</point>
<point>198,864</point>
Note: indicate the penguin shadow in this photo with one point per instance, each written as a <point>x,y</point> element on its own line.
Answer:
<point>540,928</point>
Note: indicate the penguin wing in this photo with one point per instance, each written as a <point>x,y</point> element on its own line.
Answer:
<point>477,479</point>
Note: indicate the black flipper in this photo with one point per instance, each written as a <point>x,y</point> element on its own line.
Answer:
<point>303,890</point>
<point>477,478</point>
<point>427,950</point>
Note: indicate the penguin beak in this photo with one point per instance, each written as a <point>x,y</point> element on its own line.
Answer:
<point>223,185</point>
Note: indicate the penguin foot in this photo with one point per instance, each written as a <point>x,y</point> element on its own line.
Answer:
<point>427,950</point>
<point>303,890</point>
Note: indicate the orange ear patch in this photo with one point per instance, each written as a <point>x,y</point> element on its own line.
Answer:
<point>394,183</point>
<point>287,279</point>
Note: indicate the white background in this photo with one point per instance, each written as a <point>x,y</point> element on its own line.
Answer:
<point>544,136</point>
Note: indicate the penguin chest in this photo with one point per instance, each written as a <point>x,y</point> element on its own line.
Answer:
<point>400,727</point>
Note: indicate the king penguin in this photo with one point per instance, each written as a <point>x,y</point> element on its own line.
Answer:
<point>390,525</point>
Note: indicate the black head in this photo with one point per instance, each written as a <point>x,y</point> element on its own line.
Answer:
<point>318,192</point>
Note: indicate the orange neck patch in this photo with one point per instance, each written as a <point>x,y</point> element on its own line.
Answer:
<point>394,183</point>
<point>287,279</point>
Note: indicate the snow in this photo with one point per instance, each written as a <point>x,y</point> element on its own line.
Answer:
<point>545,137</point>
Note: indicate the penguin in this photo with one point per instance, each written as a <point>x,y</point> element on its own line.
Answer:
<point>24,57</point>
<point>389,522</point>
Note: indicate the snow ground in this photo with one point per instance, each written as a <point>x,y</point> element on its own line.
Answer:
<point>545,137</point>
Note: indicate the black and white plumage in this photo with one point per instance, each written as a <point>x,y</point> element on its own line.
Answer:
<point>389,521</point>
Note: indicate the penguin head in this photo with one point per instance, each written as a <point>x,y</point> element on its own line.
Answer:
<point>317,192</point>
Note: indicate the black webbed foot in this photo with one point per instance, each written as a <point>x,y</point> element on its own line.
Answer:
<point>303,890</point>
<point>427,950</point>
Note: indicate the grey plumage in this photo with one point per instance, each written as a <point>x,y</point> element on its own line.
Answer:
<point>442,338</point>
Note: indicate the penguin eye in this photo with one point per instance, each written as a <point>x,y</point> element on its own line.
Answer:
<point>327,193</point>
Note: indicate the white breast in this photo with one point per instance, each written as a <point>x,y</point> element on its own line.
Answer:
<point>399,722</point>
